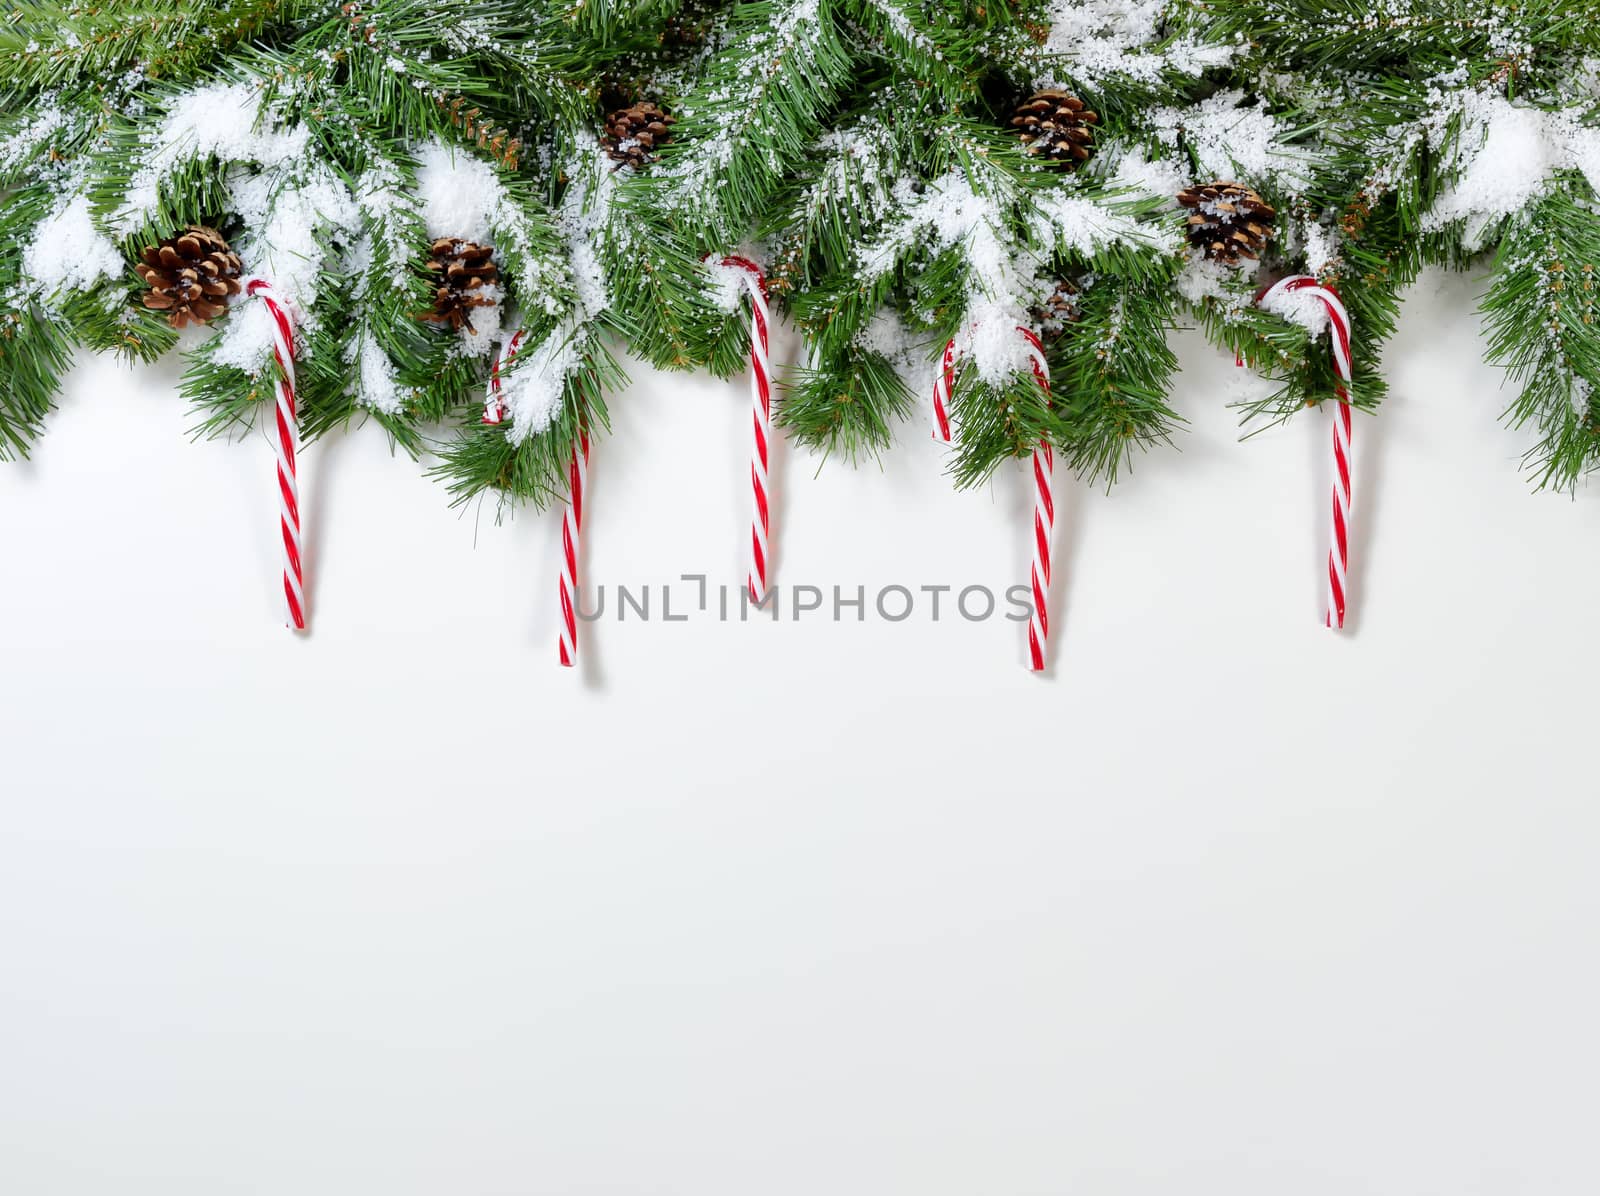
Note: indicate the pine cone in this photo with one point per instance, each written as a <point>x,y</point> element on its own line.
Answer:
<point>634,134</point>
<point>691,24</point>
<point>465,277</point>
<point>1230,221</point>
<point>1059,309</point>
<point>1057,126</point>
<point>190,276</point>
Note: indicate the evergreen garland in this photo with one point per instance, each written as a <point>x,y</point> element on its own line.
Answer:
<point>889,161</point>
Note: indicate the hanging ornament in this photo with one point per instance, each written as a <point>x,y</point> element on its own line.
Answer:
<point>1044,505</point>
<point>634,134</point>
<point>465,277</point>
<point>1056,126</point>
<point>288,444</point>
<point>1339,512</point>
<point>1230,221</point>
<point>754,284</point>
<point>190,276</point>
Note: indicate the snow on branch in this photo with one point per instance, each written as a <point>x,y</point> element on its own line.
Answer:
<point>1231,139</point>
<point>1505,155</point>
<point>223,120</point>
<point>1095,41</point>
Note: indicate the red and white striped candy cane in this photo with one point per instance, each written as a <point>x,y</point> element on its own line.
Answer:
<point>943,385</point>
<point>494,409</point>
<point>1339,533</point>
<point>571,538</point>
<point>761,419</point>
<point>1044,506</point>
<point>288,444</point>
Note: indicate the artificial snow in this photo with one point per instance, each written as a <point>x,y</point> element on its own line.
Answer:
<point>1300,307</point>
<point>858,168</point>
<point>949,212</point>
<point>901,27</point>
<point>1505,155</point>
<point>1202,279</point>
<point>224,120</point>
<point>788,44</point>
<point>1230,139</point>
<point>887,336</point>
<point>1160,178</point>
<point>68,253</point>
<point>1082,226</point>
<point>535,388</point>
<point>1320,248</point>
<point>376,384</point>
<point>1096,39</point>
<point>21,148</point>
<point>283,215</point>
<point>1580,395</point>
<point>726,285</point>
<point>460,194</point>
<point>383,197</point>
<point>584,222</point>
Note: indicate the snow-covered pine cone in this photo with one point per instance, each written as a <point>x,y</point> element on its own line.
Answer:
<point>1059,309</point>
<point>190,276</point>
<point>465,277</point>
<point>634,134</point>
<point>1229,221</point>
<point>1056,126</point>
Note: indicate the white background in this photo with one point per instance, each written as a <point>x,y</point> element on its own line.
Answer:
<point>1225,904</point>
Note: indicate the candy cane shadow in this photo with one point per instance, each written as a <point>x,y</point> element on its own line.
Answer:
<point>589,667</point>
<point>783,346</point>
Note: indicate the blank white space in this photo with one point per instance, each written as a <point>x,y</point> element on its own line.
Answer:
<point>1225,905</point>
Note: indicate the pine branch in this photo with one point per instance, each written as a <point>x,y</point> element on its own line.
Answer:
<point>1541,316</point>
<point>533,468</point>
<point>848,408</point>
<point>759,107</point>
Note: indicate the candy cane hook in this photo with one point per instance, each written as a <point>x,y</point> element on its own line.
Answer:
<point>1339,508</point>
<point>1043,469</point>
<point>761,423</point>
<point>288,444</point>
<point>494,407</point>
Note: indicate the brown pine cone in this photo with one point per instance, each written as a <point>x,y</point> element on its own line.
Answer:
<point>634,134</point>
<point>1056,126</point>
<point>190,276</point>
<point>465,277</point>
<point>1230,221</point>
<point>691,24</point>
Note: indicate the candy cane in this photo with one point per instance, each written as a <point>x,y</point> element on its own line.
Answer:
<point>943,385</point>
<point>1044,507</point>
<point>288,445</point>
<point>1338,539</point>
<point>494,409</point>
<point>571,531</point>
<point>761,417</point>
